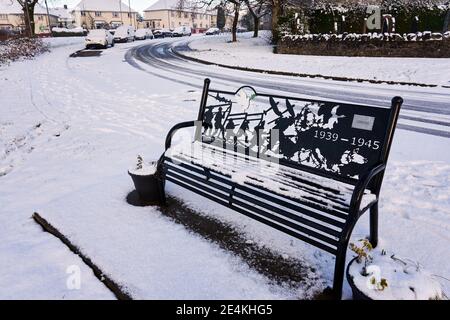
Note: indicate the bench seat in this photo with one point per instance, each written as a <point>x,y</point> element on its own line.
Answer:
<point>315,207</point>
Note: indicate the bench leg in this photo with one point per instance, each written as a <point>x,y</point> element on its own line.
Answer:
<point>162,192</point>
<point>339,269</point>
<point>374,225</point>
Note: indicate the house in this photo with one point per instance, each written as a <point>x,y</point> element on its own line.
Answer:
<point>12,17</point>
<point>94,14</point>
<point>171,14</point>
<point>65,18</point>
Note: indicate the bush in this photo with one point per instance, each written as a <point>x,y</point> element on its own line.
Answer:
<point>22,48</point>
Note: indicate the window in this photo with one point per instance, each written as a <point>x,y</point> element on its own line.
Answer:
<point>115,14</point>
<point>172,13</point>
<point>185,15</point>
<point>98,14</point>
<point>40,18</point>
<point>3,17</point>
<point>83,14</point>
<point>179,23</point>
<point>129,15</point>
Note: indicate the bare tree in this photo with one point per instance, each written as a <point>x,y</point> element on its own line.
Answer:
<point>257,9</point>
<point>28,15</point>
<point>235,6</point>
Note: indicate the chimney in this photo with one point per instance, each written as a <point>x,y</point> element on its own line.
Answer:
<point>65,6</point>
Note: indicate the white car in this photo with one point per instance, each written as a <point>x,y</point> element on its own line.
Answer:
<point>142,34</point>
<point>124,34</point>
<point>212,31</point>
<point>182,31</point>
<point>99,38</point>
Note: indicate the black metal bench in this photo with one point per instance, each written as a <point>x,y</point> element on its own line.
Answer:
<point>308,168</point>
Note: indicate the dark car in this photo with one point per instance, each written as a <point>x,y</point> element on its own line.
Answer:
<point>162,33</point>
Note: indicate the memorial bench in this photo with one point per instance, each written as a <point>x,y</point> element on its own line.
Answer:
<point>307,168</point>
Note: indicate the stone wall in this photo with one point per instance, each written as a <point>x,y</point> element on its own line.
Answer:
<point>418,49</point>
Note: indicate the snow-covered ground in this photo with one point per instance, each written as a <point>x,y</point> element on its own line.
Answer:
<point>257,53</point>
<point>69,130</point>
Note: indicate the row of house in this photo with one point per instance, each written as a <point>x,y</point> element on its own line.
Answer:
<point>93,14</point>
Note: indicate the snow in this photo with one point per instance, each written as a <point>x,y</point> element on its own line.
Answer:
<point>406,279</point>
<point>257,53</point>
<point>148,254</point>
<point>70,128</point>
<point>145,169</point>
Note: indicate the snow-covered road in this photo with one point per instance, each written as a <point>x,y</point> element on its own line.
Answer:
<point>70,128</point>
<point>426,110</point>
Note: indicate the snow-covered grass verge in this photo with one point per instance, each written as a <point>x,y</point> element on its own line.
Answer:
<point>257,53</point>
<point>69,130</point>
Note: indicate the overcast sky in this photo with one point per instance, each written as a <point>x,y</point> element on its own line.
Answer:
<point>138,5</point>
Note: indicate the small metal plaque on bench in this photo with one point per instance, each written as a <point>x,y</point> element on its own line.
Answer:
<point>363,122</point>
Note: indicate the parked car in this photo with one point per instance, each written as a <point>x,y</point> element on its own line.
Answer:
<point>162,33</point>
<point>241,30</point>
<point>212,31</point>
<point>124,34</point>
<point>142,34</point>
<point>99,38</point>
<point>182,31</point>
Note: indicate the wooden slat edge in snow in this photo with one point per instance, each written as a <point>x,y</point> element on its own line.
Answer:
<point>108,282</point>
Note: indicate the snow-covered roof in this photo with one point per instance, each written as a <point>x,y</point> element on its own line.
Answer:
<point>185,5</point>
<point>102,5</point>
<point>61,13</point>
<point>13,7</point>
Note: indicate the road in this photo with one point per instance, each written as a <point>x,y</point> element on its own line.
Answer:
<point>426,110</point>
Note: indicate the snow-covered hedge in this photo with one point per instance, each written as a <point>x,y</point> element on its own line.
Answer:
<point>22,48</point>
<point>65,32</point>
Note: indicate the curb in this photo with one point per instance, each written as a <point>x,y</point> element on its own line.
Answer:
<point>116,289</point>
<point>306,75</point>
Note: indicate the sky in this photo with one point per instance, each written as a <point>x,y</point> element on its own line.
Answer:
<point>138,5</point>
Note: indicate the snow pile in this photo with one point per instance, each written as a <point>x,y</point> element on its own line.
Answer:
<point>22,48</point>
<point>72,30</point>
<point>388,277</point>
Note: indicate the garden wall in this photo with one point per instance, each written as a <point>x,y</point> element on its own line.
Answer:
<point>417,49</point>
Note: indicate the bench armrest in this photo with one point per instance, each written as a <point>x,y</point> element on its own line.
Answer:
<point>175,128</point>
<point>362,184</point>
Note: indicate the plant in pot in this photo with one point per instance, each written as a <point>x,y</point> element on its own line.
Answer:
<point>146,182</point>
<point>377,275</point>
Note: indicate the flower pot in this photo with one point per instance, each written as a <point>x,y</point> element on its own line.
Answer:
<point>357,294</point>
<point>148,188</point>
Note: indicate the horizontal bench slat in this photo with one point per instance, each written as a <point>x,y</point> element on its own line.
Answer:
<point>300,228</point>
<point>278,200</point>
<point>290,232</point>
<point>268,206</point>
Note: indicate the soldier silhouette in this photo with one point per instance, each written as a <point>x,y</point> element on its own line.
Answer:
<point>218,125</point>
<point>207,121</point>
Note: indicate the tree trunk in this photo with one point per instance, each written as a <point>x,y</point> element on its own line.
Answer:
<point>28,18</point>
<point>275,14</point>
<point>235,22</point>
<point>256,26</point>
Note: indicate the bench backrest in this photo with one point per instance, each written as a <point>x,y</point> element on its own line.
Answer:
<point>337,140</point>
